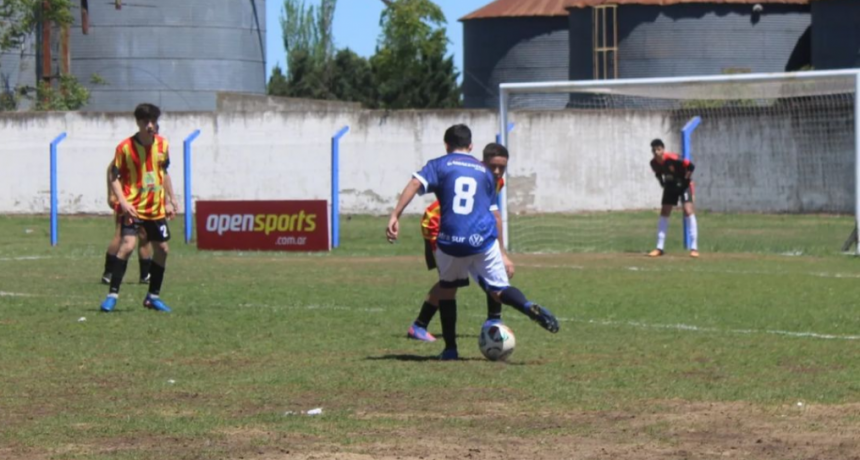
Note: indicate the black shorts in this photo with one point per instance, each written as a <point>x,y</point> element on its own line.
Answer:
<point>672,195</point>
<point>156,230</point>
<point>429,257</point>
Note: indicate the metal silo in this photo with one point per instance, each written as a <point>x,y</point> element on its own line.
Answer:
<point>665,38</point>
<point>18,68</point>
<point>835,34</point>
<point>174,53</point>
<point>514,41</point>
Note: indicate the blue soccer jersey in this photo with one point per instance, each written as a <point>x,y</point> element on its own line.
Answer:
<point>466,191</point>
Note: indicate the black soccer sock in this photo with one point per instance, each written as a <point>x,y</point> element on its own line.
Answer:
<point>428,310</point>
<point>515,298</point>
<point>448,317</point>
<point>494,308</point>
<point>117,273</point>
<point>144,267</point>
<point>157,277</point>
<point>109,260</point>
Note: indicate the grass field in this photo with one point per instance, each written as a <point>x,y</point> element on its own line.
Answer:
<point>750,355</point>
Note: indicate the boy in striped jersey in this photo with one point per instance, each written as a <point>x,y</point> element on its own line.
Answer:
<point>140,181</point>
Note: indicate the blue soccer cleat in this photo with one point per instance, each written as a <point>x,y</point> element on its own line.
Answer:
<point>543,317</point>
<point>419,333</point>
<point>449,355</point>
<point>108,304</point>
<point>155,303</point>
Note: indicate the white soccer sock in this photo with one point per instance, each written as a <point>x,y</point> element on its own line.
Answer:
<point>693,228</point>
<point>662,227</point>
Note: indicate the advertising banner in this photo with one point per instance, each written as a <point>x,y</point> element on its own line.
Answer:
<point>263,225</point>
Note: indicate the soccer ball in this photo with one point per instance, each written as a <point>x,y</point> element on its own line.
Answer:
<point>496,342</point>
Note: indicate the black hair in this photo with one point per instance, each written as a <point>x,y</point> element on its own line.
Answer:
<point>657,143</point>
<point>147,111</point>
<point>493,150</point>
<point>458,137</point>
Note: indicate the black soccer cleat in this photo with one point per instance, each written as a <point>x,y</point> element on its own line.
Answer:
<point>145,280</point>
<point>106,278</point>
<point>543,317</point>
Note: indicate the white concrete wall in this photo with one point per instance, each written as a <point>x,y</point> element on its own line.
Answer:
<point>281,155</point>
<point>562,161</point>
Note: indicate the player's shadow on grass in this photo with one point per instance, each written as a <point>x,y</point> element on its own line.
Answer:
<point>414,358</point>
<point>420,358</point>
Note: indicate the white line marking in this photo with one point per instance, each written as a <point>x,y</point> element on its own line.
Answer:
<point>14,294</point>
<point>691,328</point>
<point>7,259</point>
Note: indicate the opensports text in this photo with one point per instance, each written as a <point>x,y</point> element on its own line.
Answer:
<point>266,223</point>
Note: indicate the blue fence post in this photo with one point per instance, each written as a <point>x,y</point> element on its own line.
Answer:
<point>499,136</point>
<point>189,204</point>
<point>335,186</point>
<point>54,221</point>
<point>687,154</point>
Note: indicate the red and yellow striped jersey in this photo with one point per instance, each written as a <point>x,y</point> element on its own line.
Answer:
<point>141,173</point>
<point>432,216</point>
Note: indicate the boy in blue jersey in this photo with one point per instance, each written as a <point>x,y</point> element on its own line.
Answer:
<point>468,239</point>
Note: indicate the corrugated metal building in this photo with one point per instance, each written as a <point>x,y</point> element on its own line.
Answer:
<point>177,54</point>
<point>514,41</point>
<point>663,38</point>
<point>518,40</point>
<point>835,34</point>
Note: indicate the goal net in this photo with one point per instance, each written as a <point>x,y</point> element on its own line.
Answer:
<point>775,157</point>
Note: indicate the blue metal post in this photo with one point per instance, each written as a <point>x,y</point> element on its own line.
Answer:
<point>499,136</point>
<point>687,154</point>
<point>335,186</point>
<point>54,224</point>
<point>189,205</point>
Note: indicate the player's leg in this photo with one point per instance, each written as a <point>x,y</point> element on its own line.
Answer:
<point>494,309</point>
<point>453,274</point>
<point>690,218</point>
<point>670,199</point>
<point>144,255</point>
<point>159,234</point>
<point>418,329</point>
<point>112,249</point>
<point>129,239</point>
<point>489,271</point>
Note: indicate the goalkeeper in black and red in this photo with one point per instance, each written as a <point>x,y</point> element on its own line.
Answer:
<point>675,177</point>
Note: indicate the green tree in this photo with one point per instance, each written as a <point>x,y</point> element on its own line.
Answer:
<point>278,85</point>
<point>309,42</point>
<point>18,19</point>
<point>352,79</point>
<point>410,68</point>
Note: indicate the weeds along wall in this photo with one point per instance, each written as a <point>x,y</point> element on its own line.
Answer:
<point>561,161</point>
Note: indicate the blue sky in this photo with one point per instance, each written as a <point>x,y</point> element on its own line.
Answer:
<point>356,25</point>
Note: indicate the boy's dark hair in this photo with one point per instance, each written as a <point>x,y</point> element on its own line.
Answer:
<point>458,137</point>
<point>493,150</point>
<point>147,111</point>
<point>657,143</point>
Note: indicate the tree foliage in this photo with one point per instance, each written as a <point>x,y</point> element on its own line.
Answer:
<point>410,67</point>
<point>18,20</point>
<point>409,70</point>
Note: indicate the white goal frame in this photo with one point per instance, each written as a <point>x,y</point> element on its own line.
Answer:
<point>508,89</point>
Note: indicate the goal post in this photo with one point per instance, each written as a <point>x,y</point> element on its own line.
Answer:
<point>771,148</point>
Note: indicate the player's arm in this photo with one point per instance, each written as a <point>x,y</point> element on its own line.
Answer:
<point>116,187</point>
<point>112,200</point>
<point>409,192</point>
<point>657,173</point>
<point>689,167</point>
<point>171,206</point>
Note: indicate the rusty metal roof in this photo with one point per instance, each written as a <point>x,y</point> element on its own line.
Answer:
<point>587,3</point>
<point>519,8</point>
<point>545,8</point>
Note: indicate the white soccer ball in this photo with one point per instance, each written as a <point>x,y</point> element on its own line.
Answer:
<point>496,342</point>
